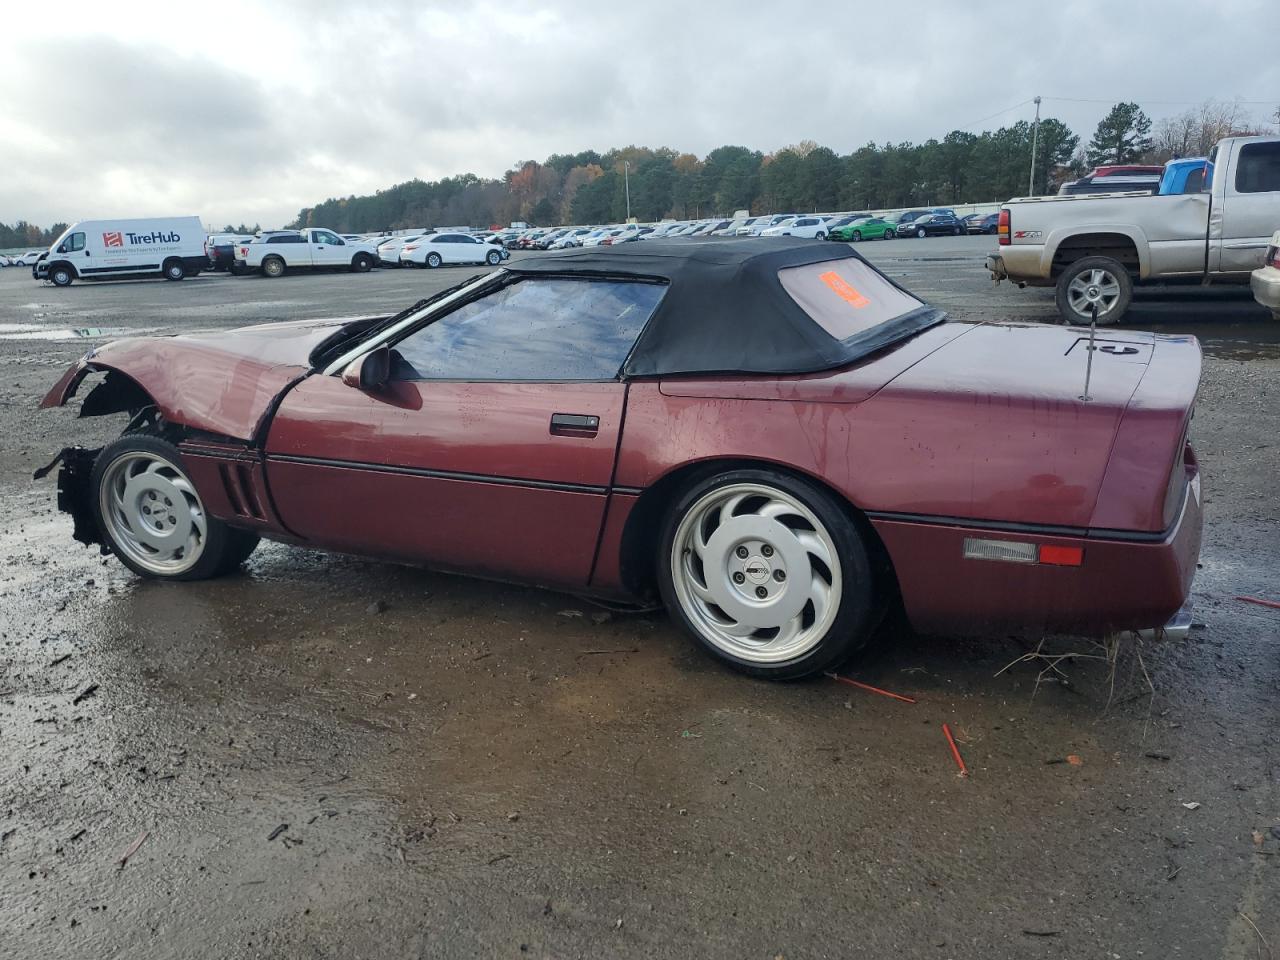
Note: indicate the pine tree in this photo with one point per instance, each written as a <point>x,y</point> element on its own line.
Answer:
<point>1123,136</point>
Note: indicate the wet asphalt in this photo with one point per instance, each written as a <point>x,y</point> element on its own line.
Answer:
<point>329,757</point>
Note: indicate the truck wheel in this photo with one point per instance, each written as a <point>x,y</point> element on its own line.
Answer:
<point>273,267</point>
<point>61,275</point>
<point>362,263</point>
<point>174,270</point>
<point>1094,280</point>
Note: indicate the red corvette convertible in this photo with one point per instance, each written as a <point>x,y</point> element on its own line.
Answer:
<point>771,436</point>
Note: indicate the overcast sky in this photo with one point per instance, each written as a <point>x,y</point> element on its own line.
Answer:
<point>248,111</point>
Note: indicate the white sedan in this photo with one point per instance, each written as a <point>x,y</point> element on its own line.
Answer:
<point>1265,281</point>
<point>437,249</point>
<point>811,228</point>
<point>389,250</point>
<point>27,259</point>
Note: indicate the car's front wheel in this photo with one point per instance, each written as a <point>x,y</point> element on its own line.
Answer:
<point>857,235</point>
<point>362,263</point>
<point>152,518</point>
<point>768,572</point>
<point>821,235</point>
<point>920,233</point>
<point>61,276</point>
<point>494,258</point>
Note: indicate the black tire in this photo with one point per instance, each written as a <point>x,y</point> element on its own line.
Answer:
<point>433,260</point>
<point>273,267</point>
<point>821,235</point>
<point>362,263</point>
<point>889,234</point>
<point>494,258</point>
<point>1114,310</point>
<point>920,233</point>
<point>174,269</point>
<point>955,231</point>
<point>859,611</point>
<point>225,547</point>
<point>61,275</point>
<point>857,235</point>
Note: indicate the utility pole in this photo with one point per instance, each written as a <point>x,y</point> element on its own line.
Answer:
<point>1035,142</point>
<point>626,183</point>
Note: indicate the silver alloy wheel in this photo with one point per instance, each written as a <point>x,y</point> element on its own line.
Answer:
<point>1093,286</point>
<point>273,267</point>
<point>756,573</point>
<point>153,513</point>
<point>433,260</point>
<point>175,271</point>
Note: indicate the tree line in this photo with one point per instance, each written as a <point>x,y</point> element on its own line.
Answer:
<point>23,234</point>
<point>591,187</point>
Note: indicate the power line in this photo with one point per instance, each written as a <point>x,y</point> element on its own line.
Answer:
<point>1174,103</point>
<point>996,114</point>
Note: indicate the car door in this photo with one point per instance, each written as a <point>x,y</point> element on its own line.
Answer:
<point>490,450</point>
<point>1251,206</point>
<point>328,249</point>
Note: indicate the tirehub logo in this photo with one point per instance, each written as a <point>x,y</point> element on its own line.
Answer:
<point>117,238</point>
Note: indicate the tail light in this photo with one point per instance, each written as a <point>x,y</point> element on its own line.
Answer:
<point>1273,257</point>
<point>410,248</point>
<point>244,251</point>
<point>1002,228</point>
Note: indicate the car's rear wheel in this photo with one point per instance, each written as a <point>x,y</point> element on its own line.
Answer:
<point>433,260</point>
<point>494,258</point>
<point>362,263</point>
<point>889,234</point>
<point>1091,281</point>
<point>273,267</point>
<point>174,269</point>
<point>768,572</point>
<point>152,518</point>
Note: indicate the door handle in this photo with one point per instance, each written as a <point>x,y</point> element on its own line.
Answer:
<point>574,425</point>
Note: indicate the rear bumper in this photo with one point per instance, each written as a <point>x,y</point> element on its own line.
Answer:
<point>1124,582</point>
<point>1265,283</point>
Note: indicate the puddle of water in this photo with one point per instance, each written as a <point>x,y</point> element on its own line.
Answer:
<point>1233,341</point>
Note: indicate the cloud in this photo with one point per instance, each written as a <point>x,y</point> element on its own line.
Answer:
<point>156,110</point>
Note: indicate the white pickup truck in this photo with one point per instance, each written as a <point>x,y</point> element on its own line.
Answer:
<point>275,252</point>
<point>1094,248</point>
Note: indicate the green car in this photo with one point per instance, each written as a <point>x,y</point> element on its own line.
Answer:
<point>868,228</point>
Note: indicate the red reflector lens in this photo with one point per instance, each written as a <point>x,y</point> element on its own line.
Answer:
<point>1061,556</point>
<point>1002,228</point>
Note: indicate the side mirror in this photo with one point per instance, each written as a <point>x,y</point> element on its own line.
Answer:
<point>370,372</point>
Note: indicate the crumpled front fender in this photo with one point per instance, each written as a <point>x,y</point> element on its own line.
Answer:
<point>65,388</point>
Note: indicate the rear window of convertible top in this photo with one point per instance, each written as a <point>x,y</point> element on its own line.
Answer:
<point>845,297</point>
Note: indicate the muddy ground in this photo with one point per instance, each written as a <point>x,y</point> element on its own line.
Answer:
<point>328,757</point>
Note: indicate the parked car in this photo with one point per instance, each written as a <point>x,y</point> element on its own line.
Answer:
<point>388,251</point>
<point>169,247</point>
<point>843,220</point>
<point>1188,175</point>
<point>866,228</point>
<point>1093,249</point>
<point>981,222</point>
<point>570,238</point>
<point>440,249</point>
<point>277,253</point>
<point>428,438</point>
<point>599,236</point>
<point>220,248</point>
<point>1116,179</point>
<point>29,258</point>
<point>932,225</point>
<point>1265,281</point>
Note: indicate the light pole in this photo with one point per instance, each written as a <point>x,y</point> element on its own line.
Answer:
<point>626,184</point>
<point>1035,142</point>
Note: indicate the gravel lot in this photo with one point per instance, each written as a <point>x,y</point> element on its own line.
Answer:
<point>328,757</point>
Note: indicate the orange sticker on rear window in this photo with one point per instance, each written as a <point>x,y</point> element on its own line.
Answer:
<point>844,290</point>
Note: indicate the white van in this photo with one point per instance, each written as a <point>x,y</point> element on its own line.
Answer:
<point>171,247</point>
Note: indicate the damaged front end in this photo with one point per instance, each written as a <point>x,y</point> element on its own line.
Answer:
<point>75,491</point>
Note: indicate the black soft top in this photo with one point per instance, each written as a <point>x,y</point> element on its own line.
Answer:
<point>726,311</point>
